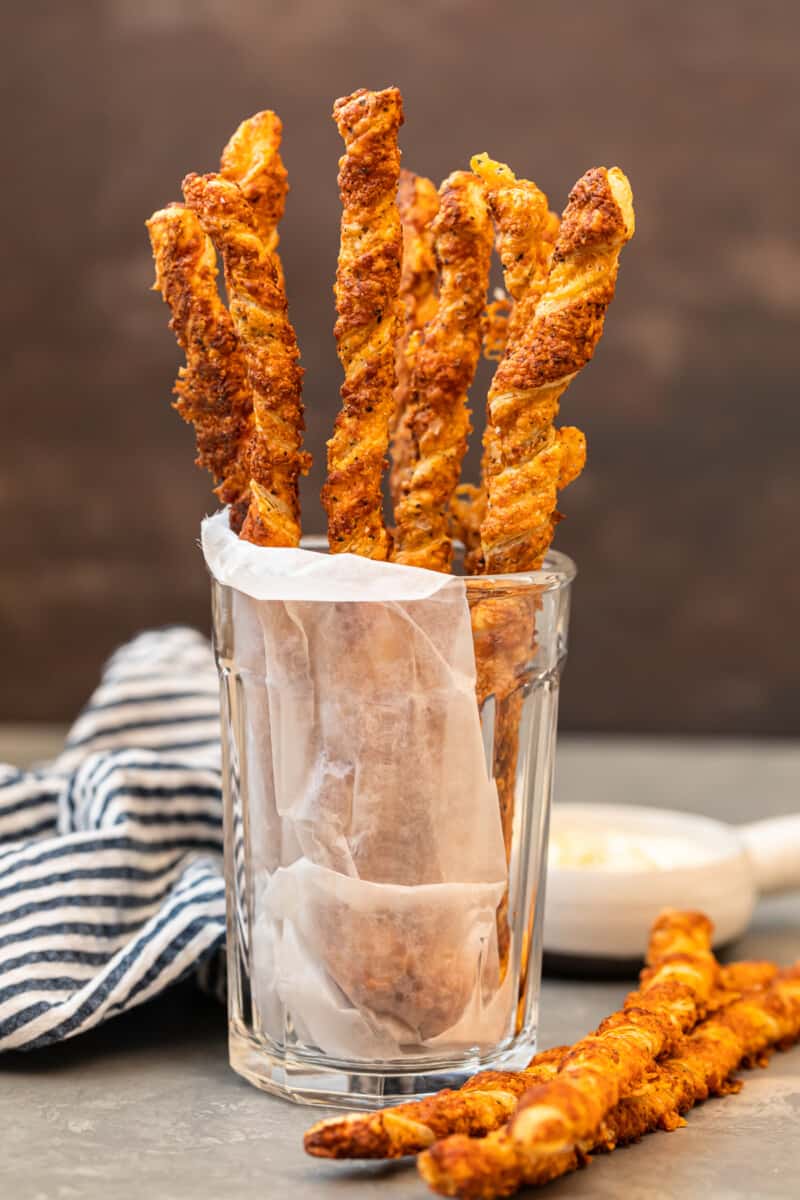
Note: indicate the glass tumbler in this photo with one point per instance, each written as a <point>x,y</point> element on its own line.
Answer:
<point>387,773</point>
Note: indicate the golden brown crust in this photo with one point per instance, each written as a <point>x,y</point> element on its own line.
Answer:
<point>526,234</point>
<point>212,389</point>
<point>677,931</point>
<point>369,311</point>
<point>418,203</point>
<point>701,1066</point>
<point>746,976</point>
<point>252,160</point>
<point>260,315</point>
<point>554,1118</point>
<point>541,359</point>
<point>443,368</point>
<point>763,1017</point>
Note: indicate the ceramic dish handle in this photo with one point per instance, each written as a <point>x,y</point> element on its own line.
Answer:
<point>774,849</point>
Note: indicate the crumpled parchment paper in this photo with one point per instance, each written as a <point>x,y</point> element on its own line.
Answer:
<point>373,844</point>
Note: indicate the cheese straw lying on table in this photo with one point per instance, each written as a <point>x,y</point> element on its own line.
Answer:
<point>484,1102</point>
<point>749,1009</point>
<point>674,988</point>
<point>758,1021</point>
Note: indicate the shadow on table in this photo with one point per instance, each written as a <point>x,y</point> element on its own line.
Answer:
<point>182,1016</point>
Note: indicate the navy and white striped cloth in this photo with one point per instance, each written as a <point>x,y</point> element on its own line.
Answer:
<point>111,883</point>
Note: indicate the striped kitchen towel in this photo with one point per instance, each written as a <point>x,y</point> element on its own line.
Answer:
<point>111,882</point>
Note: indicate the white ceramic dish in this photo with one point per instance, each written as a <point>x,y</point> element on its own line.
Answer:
<point>597,912</point>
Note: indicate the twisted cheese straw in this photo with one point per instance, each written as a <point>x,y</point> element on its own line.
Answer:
<point>758,1020</point>
<point>489,1098</point>
<point>504,636</point>
<point>526,232</point>
<point>526,235</point>
<point>212,389</point>
<point>483,1103</point>
<point>252,160</point>
<point>259,310</point>
<point>369,315</point>
<point>418,204</point>
<point>568,1112</point>
<point>444,363</point>
<point>540,361</point>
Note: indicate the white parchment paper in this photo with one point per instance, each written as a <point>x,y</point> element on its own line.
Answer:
<point>374,845</point>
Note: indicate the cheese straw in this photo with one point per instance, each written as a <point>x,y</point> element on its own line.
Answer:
<point>555,1118</point>
<point>528,460</point>
<point>488,1099</point>
<point>418,203</point>
<point>484,1102</point>
<point>252,160</point>
<point>267,340</point>
<point>369,319</point>
<point>526,234</point>
<point>212,389</point>
<point>446,354</point>
<point>701,1065</point>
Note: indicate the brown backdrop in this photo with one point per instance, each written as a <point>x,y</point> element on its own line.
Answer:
<point>684,524</point>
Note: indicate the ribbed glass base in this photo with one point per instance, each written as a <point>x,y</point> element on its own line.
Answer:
<point>306,1082</point>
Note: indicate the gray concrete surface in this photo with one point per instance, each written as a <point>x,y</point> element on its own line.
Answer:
<point>147,1106</point>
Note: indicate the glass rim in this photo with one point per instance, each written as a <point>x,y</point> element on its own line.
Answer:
<point>557,571</point>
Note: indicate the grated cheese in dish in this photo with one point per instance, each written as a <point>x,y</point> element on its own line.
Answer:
<point>623,850</point>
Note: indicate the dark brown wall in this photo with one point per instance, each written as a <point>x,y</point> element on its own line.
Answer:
<point>684,524</point>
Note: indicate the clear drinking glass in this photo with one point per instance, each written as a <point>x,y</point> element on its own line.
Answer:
<point>399,960</point>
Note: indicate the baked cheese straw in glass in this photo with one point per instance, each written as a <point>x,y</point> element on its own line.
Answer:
<point>418,203</point>
<point>486,1101</point>
<point>252,159</point>
<point>504,633</point>
<point>526,234</point>
<point>369,319</point>
<point>444,365</point>
<point>541,360</point>
<point>267,340</point>
<point>557,1117</point>
<point>212,389</point>
<point>701,1066</point>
